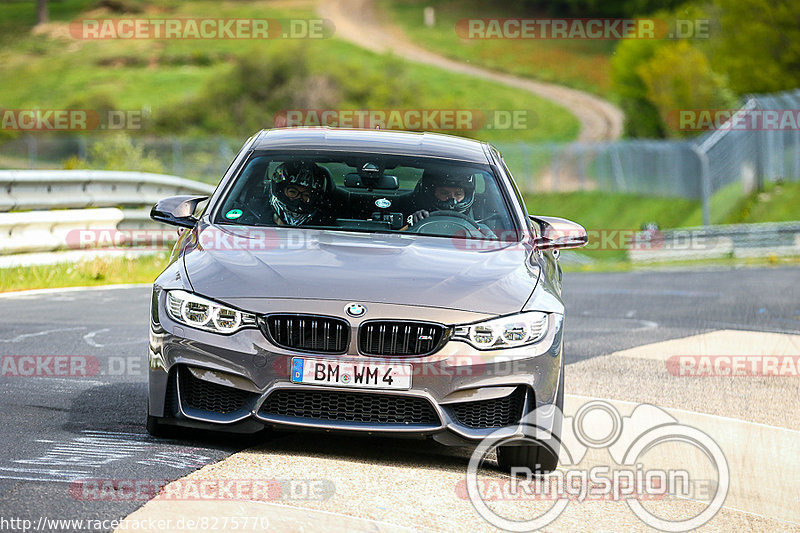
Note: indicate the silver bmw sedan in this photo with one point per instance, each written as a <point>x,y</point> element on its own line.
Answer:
<point>368,281</point>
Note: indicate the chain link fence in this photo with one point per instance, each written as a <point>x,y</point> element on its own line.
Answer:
<point>648,167</point>
<point>198,159</point>
<point>741,155</point>
<point>717,167</point>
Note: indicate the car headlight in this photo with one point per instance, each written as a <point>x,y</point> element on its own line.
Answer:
<point>198,312</point>
<point>505,332</point>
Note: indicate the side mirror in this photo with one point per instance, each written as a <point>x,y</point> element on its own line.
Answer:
<point>559,233</point>
<point>177,210</point>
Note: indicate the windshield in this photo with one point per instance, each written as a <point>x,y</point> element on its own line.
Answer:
<point>367,192</point>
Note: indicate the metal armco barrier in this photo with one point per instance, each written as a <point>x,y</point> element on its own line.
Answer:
<point>714,242</point>
<point>71,189</point>
<point>40,208</point>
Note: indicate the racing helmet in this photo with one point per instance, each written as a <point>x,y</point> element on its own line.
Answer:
<point>299,209</point>
<point>426,188</point>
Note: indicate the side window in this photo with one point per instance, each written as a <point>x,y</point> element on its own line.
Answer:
<point>517,193</point>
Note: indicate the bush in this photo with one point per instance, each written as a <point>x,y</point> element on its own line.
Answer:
<point>679,76</point>
<point>759,45</point>
<point>641,116</point>
<point>598,8</point>
<point>117,152</point>
<point>288,77</point>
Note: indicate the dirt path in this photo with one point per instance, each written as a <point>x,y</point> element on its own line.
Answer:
<point>358,22</point>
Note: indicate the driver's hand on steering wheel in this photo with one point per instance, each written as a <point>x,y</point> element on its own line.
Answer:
<point>417,216</point>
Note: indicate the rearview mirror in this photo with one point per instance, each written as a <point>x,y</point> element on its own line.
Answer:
<point>559,233</point>
<point>381,181</point>
<point>177,210</point>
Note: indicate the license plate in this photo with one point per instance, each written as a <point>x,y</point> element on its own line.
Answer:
<point>350,374</point>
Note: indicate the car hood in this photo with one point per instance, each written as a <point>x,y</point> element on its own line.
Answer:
<point>234,262</point>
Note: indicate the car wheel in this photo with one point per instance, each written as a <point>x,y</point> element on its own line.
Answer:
<point>539,458</point>
<point>155,427</point>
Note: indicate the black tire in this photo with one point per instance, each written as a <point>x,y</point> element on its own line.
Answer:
<point>155,427</point>
<point>539,458</point>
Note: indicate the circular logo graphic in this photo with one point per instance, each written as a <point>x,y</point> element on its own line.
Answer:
<point>345,378</point>
<point>233,213</point>
<point>640,446</point>
<point>355,310</point>
<point>383,203</point>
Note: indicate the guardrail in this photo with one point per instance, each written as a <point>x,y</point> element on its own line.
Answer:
<point>714,242</point>
<point>41,209</point>
<point>75,189</point>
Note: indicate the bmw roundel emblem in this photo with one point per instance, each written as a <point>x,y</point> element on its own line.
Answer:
<point>355,310</point>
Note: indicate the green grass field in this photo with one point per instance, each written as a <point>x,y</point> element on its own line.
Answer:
<point>598,211</point>
<point>582,64</point>
<point>99,271</point>
<point>53,70</point>
<point>777,203</point>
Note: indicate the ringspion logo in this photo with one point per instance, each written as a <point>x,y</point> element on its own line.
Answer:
<point>640,448</point>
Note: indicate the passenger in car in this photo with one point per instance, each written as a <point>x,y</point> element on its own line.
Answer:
<point>299,194</point>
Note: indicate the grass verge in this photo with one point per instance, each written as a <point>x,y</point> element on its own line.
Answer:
<point>729,262</point>
<point>52,70</point>
<point>97,271</point>
<point>609,212</point>
<point>582,64</point>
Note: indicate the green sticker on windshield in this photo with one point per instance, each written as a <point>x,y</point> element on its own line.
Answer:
<point>233,213</point>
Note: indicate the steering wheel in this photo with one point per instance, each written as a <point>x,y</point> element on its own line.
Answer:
<point>445,223</point>
<point>253,212</point>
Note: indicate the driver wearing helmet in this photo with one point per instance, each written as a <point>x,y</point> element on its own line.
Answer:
<point>297,192</point>
<point>443,192</point>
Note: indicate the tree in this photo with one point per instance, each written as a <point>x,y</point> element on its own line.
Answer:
<point>42,15</point>
<point>679,77</point>
<point>759,45</point>
<point>641,116</point>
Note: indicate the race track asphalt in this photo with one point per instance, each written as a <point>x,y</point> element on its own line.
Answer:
<point>57,430</point>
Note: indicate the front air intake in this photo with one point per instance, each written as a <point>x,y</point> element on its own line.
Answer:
<point>308,333</point>
<point>393,338</point>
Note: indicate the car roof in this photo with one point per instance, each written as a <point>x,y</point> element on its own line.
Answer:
<point>375,141</point>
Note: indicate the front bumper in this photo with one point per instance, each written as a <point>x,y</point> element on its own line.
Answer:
<point>241,382</point>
